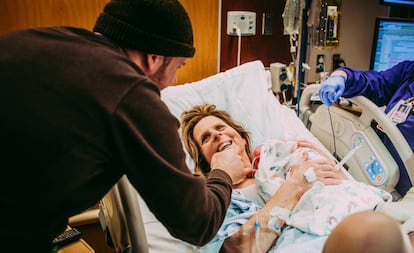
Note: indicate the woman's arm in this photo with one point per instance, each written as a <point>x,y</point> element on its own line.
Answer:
<point>378,86</point>
<point>244,240</point>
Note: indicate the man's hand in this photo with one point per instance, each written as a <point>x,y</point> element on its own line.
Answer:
<point>231,162</point>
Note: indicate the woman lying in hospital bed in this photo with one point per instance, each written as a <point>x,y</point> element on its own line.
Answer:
<point>284,191</point>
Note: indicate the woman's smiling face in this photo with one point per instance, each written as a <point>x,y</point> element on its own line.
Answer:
<point>214,135</point>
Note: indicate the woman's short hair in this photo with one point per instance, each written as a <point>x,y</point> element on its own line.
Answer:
<point>191,117</point>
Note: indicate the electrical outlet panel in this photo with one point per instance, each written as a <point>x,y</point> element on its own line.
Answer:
<point>244,20</point>
<point>320,63</point>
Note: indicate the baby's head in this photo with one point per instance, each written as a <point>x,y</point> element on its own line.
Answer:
<point>366,232</point>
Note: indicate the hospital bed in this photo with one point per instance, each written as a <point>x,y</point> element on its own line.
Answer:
<point>245,92</point>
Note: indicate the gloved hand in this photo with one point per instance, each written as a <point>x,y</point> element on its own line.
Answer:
<point>331,89</point>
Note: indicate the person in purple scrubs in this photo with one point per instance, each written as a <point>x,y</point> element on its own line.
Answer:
<point>393,88</point>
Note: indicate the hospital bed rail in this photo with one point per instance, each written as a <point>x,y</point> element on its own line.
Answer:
<point>317,120</point>
<point>121,219</point>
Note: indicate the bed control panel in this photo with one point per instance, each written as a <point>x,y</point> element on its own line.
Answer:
<point>370,162</point>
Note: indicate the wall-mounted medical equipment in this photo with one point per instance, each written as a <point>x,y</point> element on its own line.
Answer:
<point>279,75</point>
<point>241,21</point>
<point>282,81</point>
<point>324,23</point>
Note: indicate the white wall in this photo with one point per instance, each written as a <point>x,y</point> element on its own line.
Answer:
<point>356,33</point>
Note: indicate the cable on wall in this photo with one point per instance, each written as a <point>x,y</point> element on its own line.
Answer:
<point>238,32</point>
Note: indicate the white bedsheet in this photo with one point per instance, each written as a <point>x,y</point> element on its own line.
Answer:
<point>244,92</point>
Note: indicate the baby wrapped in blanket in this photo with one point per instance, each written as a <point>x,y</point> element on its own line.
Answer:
<point>322,207</point>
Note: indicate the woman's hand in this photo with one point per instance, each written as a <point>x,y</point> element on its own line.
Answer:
<point>325,175</point>
<point>324,171</point>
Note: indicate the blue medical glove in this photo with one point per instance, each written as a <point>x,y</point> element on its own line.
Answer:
<point>331,89</point>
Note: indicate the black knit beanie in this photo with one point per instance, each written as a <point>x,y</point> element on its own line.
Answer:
<point>159,27</point>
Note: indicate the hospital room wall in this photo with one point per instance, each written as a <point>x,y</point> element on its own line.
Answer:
<point>215,51</point>
<point>357,22</point>
<point>356,34</point>
<point>20,14</point>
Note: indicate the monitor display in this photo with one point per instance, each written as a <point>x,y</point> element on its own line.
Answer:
<point>397,2</point>
<point>393,42</point>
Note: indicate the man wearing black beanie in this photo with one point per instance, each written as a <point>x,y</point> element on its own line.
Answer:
<point>81,109</point>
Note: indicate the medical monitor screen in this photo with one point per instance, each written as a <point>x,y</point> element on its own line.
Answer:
<point>397,2</point>
<point>393,42</point>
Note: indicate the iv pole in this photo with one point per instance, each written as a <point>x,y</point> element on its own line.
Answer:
<point>303,45</point>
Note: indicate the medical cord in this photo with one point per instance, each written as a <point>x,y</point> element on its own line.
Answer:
<point>257,233</point>
<point>238,32</point>
<point>333,133</point>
